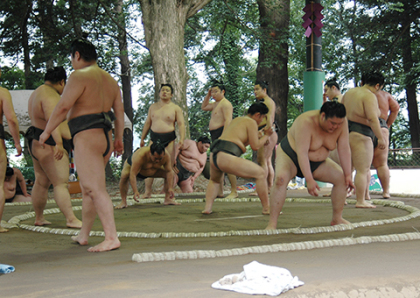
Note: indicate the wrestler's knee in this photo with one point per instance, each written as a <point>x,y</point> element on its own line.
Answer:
<point>260,173</point>
<point>281,180</point>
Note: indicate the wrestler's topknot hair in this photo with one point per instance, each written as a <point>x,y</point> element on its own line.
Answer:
<point>85,48</point>
<point>157,147</point>
<point>55,75</point>
<point>258,107</point>
<point>167,85</point>
<point>204,140</point>
<point>9,171</point>
<point>372,78</point>
<point>333,109</point>
<point>263,84</point>
<point>332,82</point>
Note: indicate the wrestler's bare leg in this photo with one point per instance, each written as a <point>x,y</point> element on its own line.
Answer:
<point>57,172</point>
<point>361,154</point>
<point>380,162</point>
<point>124,181</point>
<point>233,191</point>
<point>88,216</point>
<point>216,178</point>
<point>40,194</point>
<point>186,186</point>
<point>169,200</point>
<point>285,171</point>
<point>3,165</point>
<point>21,199</point>
<point>331,172</point>
<point>89,148</point>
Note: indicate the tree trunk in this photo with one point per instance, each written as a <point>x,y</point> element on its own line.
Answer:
<point>273,55</point>
<point>29,84</point>
<point>125,80</point>
<point>164,24</point>
<point>410,86</point>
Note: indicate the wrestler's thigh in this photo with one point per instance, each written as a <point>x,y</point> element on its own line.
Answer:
<point>285,167</point>
<point>380,156</point>
<point>56,171</point>
<point>215,174</point>
<point>238,166</point>
<point>3,161</point>
<point>361,150</point>
<point>125,173</point>
<point>89,147</point>
<point>185,186</point>
<point>329,171</point>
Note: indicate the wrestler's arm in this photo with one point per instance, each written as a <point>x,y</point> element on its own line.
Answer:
<point>302,136</point>
<point>271,106</point>
<point>344,153</point>
<point>21,180</point>
<point>253,140</point>
<point>146,127</point>
<point>118,108</point>
<point>47,106</point>
<point>137,160</point>
<point>11,118</point>
<point>227,110</point>
<point>206,105</point>
<point>394,107</point>
<point>72,91</point>
<point>181,125</point>
<point>202,159</point>
<point>371,108</point>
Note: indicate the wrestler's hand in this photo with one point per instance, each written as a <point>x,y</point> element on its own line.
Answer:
<point>175,169</point>
<point>381,144</point>
<point>171,193</point>
<point>349,183</point>
<point>268,131</point>
<point>142,143</point>
<point>43,137</point>
<point>313,187</point>
<point>58,152</point>
<point>18,149</point>
<point>192,181</point>
<point>118,148</point>
<point>180,144</point>
<point>136,196</point>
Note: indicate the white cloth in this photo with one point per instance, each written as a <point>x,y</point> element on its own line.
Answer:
<point>6,268</point>
<point>259,279</point>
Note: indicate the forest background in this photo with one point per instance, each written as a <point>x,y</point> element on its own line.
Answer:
<point>190,43</point>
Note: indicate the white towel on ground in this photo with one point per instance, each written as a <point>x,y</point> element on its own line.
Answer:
<point>6,268</point>
<point>259,279</point>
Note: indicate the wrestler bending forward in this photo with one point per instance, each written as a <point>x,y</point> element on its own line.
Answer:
<point>304,152</point>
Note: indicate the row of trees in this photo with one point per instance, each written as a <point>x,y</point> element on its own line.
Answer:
<point>188,43</point>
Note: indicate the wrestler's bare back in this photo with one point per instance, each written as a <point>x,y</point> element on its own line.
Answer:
<point>147,167</point>
<point>91,90</point>
<point>190,158</point>
<point>40,106</point>
<point>360,104</point>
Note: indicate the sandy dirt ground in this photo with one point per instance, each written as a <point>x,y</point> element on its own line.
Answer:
<point>50,265</point>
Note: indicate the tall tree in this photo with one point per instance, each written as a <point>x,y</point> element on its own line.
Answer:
<point>273,55</point>
<point>164,28</point>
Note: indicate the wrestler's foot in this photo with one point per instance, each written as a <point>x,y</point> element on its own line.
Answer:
<point>266,211</point>
<point>106,245</point>
<point>3,230</point>
<point>327,195</point>
<point>254,194</point>
<point>341,221</point>
<point>74,224</point>
<point>42,222</point>
<point>79,240</point>
<point>171,202</point>
<point>271,227</point>
<point>232,195</point>
<point>121,205</point>
<point>206,212</point>
<point>365,205</point>
<point>386,196</point>
<point>145,196</point>
<point>220,195</point>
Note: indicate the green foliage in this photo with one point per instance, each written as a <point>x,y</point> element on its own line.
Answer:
<point>12,78</point>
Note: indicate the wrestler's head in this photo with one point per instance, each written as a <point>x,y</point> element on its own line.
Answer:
<point>258,111</point>
<point>203,144</point>
<point>82,49</point>
<point>157,152</point>
<point>331,89</point>
<point>218,90</point>
<point>9,173</point>
<point>166,91</point>
<point>260,89</point>
<point>332,115</point>
<point>56,76</point>
<point>374,79</point>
